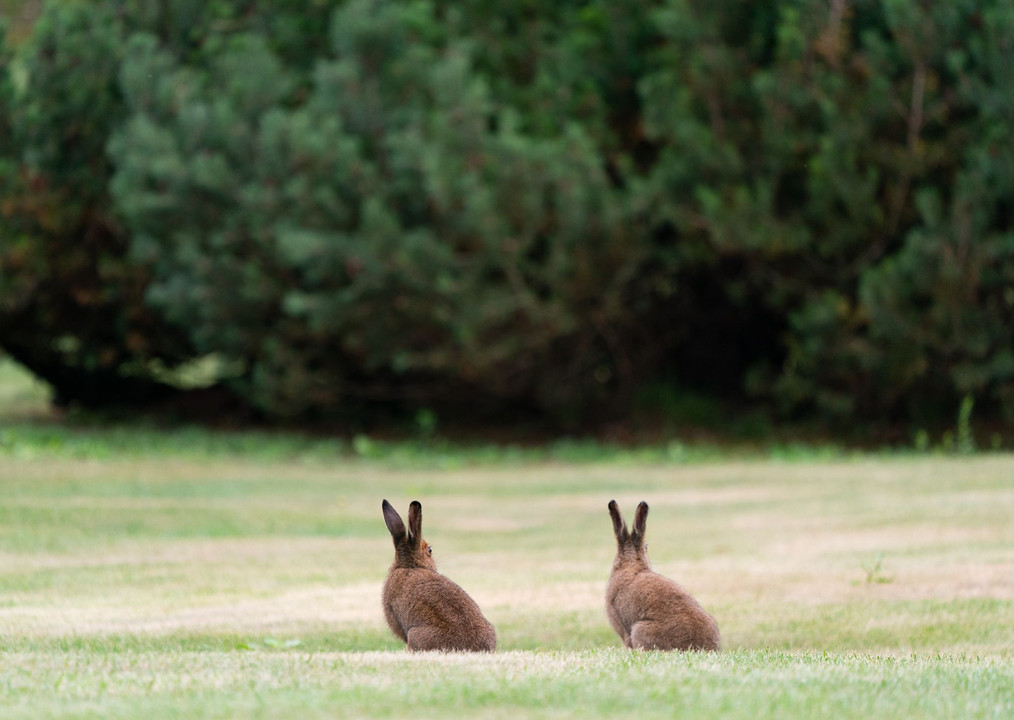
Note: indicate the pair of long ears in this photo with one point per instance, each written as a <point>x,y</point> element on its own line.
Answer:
<point>620,527</point>
<point>397,528</point>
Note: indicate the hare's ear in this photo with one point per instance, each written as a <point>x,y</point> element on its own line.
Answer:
<point>619,527</point>
<point>394,523</point>
<point>415,521</point>
<point>640,520</point>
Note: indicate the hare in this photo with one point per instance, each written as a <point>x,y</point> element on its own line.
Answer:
<point>424,608</point>
<point>647,610</point>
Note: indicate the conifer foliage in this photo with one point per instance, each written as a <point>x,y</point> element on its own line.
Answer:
<point>502,205</point>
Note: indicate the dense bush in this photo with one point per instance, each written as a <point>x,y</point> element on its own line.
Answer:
<point>71,306</point>
<point>841,161</point>
<point>502,205</point>
<point>377,239</point>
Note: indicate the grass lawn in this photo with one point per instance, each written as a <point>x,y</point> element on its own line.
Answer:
<point>194,574</point>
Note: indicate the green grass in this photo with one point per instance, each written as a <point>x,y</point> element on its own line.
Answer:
<point>551,684</point>
<point>182,572</point>
<point>22,398</point>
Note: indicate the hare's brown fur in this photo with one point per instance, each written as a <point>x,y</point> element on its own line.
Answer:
<point>647,610</point>
<point>422,607</point>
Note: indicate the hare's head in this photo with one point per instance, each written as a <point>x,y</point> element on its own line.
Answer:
<point>410,550</point>
<point>630,546</point>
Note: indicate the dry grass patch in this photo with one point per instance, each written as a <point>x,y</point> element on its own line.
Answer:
<point>121,546</point>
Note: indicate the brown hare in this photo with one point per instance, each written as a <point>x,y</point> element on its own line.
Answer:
<point>424,608</point>
<point>647,610</point>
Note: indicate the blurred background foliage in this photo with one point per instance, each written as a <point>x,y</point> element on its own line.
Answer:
<point>320,209</point>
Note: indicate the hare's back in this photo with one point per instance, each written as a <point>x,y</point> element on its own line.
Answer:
<point>662,597</point>
<point>430,597</point>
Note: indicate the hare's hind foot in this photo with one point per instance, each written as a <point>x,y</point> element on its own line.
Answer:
<point>653,635</point>
<point>427,637</point>
<point>647,635</point>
